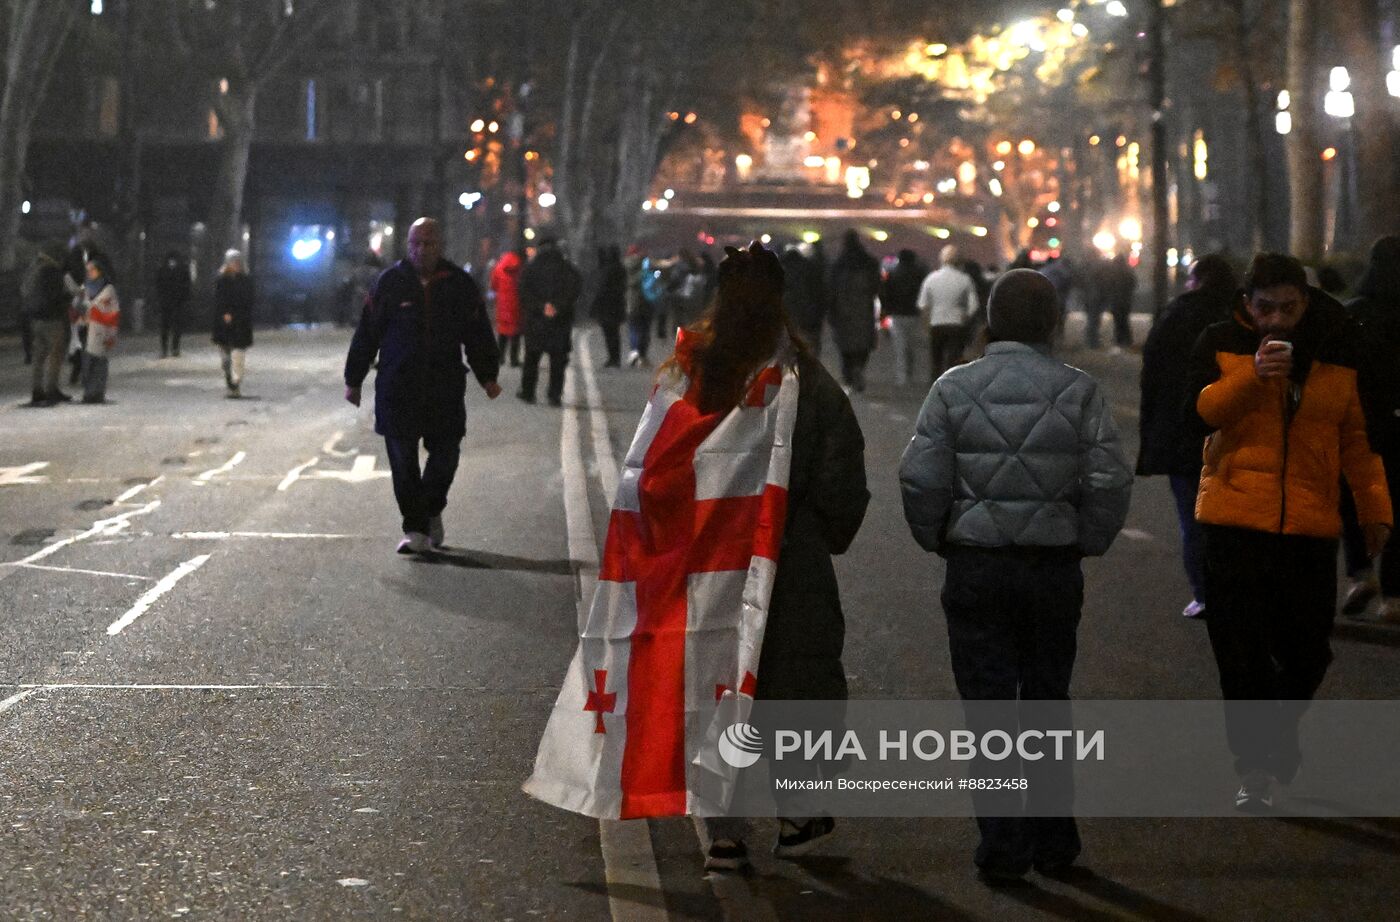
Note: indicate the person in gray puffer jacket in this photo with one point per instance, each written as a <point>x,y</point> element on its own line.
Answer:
<point>1015,473</point>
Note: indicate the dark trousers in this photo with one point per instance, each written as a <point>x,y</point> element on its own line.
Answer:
<point>422,494</point>
<point>853,370</point>
<point>94,376</point>
<point>26,338</point>
<point>945,346</point>
<point>1184,487</point>
<point>639,330</point>
<point>1358,562</point>
<point>172,324</point>
<point>612,338</point>
<point>511,341</point>
<point>1270,602</point>
<point>530,375</point>
<point>1013,617</point>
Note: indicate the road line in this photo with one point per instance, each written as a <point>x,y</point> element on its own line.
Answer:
<point>166,584</point>
<point>17,698</point>
<point>101,527</point>
<point>129,494</point>
<point>602,441</point>
<point>224,468</point>
<point>294,474</point>
<point>628,860</point>
<point>274,535</point>
<point>39,566</point>
<point>329,447</point>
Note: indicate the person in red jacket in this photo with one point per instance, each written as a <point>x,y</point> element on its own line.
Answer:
<point>505,284</point>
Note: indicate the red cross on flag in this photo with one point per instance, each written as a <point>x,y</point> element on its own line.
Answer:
<point>682,600</point>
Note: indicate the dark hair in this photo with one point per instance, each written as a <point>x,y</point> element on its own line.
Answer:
<point>1381,280</point>
<point>1270,269</point>
<point>738,332</point>
<point>1214,273</point>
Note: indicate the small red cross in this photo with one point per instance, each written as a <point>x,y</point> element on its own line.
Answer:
<point>599,701</point>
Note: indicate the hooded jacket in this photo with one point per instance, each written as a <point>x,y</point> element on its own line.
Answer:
<point>505,282</point>
<point>1276,448</point>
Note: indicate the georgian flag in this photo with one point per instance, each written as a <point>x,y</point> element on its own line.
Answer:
<point>676,624</point>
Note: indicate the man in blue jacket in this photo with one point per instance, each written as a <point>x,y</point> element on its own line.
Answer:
<point>421,313</point>
<point>1015,473</point>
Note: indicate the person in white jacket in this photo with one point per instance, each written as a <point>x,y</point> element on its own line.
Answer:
<point>948,298</point>
<point>97,304</point>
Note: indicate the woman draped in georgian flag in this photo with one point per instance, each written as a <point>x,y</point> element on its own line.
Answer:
<point>746,474</point>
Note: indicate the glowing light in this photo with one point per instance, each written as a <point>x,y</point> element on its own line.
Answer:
<point>978,231</point>
<point>938,49</point>
<point>1329,154</point>
<point>896,115</point>
<point>306,248</point>
<point>1173,257</point>
<point>913,116</point>
<point>816,161</point>
<point>967,172</point>
<point>942,233</point>
<point>947,185</point>
<point>1392,82</point>
<point>646,206</point>
<point>691,118</point>
<point>1004,148</point>
<point>1079,30</point>
<point>507,208</point>
<point>1033,223</point>
<point>547,199</point>
<point>1052,222</point>
<point>921,165</point>
<point>1065,15</point>
<point>1339,105</point>
<point>471,155</point>
<point>1094,140</point>
<point>766,239</point>
<point>1105,242</point>
<point>662,204</point>
<point>810,236</point>
<point>995,185</point>
<point>1339,81</point>
<point>669,194</point>
<point>1116,8</point>
<point>1026,147</point>
<point>928,198</point>
<point>857,181</point>
<point>478,125</point>
<point>466,200</point>
<point>494,127</point>
<point>1285,99</point>
<point>1130,229</point>
<point>1283,122</point>
<point>529,233</point>
<point>1054,243</point>
<point>1122,140</point>
<point>1201,157</point>
<point>1053,208</point>
<point>879,235</point>
<point>809,137</point>
<point>26,207</point>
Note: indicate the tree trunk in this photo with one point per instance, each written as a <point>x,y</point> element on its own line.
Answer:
<point>1254,127</point>
<point>1357,23</point>
<point>1305,198</point>
<point>236,116</point>
<point>1161,232</point>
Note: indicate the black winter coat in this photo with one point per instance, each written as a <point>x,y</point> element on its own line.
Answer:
<point>233,296</point>
<point>549,279</point>
<point>1379,373</point>
<point>804,290</point>
<point>608,305</point>
<point>419,335</point>
<point>899,294</point>
<point>45,297</point>
<point>173,284</point>
<point>827,497</point>
<point>1169,443</point>
<point>855,283</point>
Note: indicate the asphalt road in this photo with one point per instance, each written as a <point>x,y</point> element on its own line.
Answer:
<point>223,696</point>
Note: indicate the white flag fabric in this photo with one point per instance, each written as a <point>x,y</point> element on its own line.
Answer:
<point>676,623</point>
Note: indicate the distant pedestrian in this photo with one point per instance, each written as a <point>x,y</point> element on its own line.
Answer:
<point>685,290</point>
<point>1015,473</point>
<point>804,295</point>
<point>505,283</point>
<point>1061,273</point>
<point>46,305</point>
<point>1377,311</point>
<point>948,301</point>
<point>82,249</point>
<point>422,313</point>
<point>855,284</point>
<point>173,285</point>
<point>1168,443</point>
<point>101,311</point>
<point>233,319</point>
<point>549,293</point>
<point>1277,399</point>
<point>608,301</point>
<point>1113,286</point>
<point>899,301</point>
<point>638,307</point>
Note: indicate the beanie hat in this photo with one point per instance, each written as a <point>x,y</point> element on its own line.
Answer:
<point>1023,308</point>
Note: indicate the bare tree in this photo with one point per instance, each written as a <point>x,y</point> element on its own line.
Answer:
<point>34,32</point>
<point>1358,25</point>
<point>1305,237</point>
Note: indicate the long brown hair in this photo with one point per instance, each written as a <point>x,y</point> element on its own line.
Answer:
<point>738,332</point>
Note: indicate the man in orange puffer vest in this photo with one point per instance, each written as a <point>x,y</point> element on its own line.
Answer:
<point>1275,389</point>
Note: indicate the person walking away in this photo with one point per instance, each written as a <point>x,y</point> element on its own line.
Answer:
<point>1119,286</point>
<point>1060,271</point>
<point>686,290</point>
<point>855,284</point>
<point>1274,391</point>
<point>233,319</point>
<point>46,305</point>
<point>505,283</point>
<point>422,313</point>
<point>804,295</point>
<point>899,301</point>
<point>1167,444</point>
<point>101,310</point>
<point>638,307</point>
<point>1014,474</point>
<point>173,286</point>
<point>549,292</point>
<point>1376,310</point>
<point>608,301</point>
<point>948,299</point>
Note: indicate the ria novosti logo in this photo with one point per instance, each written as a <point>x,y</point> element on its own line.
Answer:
<point>740,745</point>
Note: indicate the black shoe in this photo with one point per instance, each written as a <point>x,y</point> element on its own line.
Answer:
<point>727,855</point>
<point>796,840</point>
<point>94,400</point>
<point>613,363</point>
<point>555,401</point>
<point>527,398</point>
<point>996,876</point>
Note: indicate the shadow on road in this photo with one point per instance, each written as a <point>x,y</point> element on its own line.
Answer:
<point>847,896</point>
<point>1379,834</point>
<point>1366,632</point>
<point>687,906</point>
<point>485,560</point>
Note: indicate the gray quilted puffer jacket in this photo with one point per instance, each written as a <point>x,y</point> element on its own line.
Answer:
<point>1015,449</point>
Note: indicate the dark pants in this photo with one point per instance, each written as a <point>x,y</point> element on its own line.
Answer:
<point>26,338</point>
<point>94,376</point>
<point>50,341</point>
<point>945,346</point>
<point>853,370</point>
<point>1358,562</point>
<point>639,330</point>
<point>530,376</point>
<point>1270,602</point>
<point>1184,488</point>
<point>1013,616</point>
<point>172,324</point>
<point>612,338</point>
<point>511,340</point>
<point>422,494</point>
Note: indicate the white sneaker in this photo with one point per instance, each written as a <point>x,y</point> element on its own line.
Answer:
<point>414,542</point>
<point>1194,609</point>
<point>1256,793</point>
<point>435,533</point>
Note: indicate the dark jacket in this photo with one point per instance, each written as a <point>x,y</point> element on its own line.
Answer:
<point>899,295</point>
<point>827,498</point>
<point>173,284</point>
<point>608,304</point>
<point>855,283</point>
<point>1168,443</point>
<point>233,295</point>
<point>419,336</point>
<point>1379,377</point>
<point>45,297</point>
<point>548,279</point>
<point>804,295</point>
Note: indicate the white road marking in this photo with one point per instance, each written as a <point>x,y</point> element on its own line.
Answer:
<point>166,584</point>
<point>224,468</point>
<point>294,474</point>
<point>330,449</point>
<point>628,859</point>
<point>134,491</point>
<point>111,526</point>
<point>360,471</point>
<point>602,442</point>
<point>1136,534</point>
<point>274,535</point>
<point>17,698</point>
<point>15,476</point>
<point>39,566</point>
